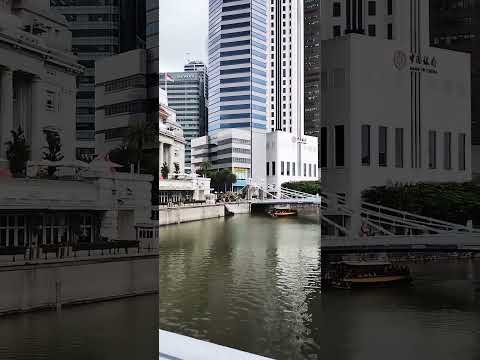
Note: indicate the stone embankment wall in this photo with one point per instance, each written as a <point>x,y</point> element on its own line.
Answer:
<point>28,287</point>
<point>177,215</point>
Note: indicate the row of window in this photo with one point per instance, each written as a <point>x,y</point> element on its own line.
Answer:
<point>399,142</point>
<point>290,169</point>
<point>371,30</point>
<point>371,8</point>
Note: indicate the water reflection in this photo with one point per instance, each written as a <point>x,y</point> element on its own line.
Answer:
<point>117,330</point>
<point>253,283</point>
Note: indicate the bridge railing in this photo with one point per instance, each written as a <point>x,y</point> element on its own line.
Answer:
<point>378,219</point>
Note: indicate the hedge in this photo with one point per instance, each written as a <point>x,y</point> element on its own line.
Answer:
<point>451,202</point>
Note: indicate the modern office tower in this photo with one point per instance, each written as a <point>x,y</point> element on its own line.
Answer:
<point>100,28</point>
<point>455,25</point>
<point>313,67</point>
<point>186,95</point>
<point>199,66</point>
<point>291,155</point>
<point>127,93</point>
<point>237,84</point>
<point>393,110</point>
<point>152,45</point>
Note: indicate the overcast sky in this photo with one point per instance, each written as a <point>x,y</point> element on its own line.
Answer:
<point>183,29</point>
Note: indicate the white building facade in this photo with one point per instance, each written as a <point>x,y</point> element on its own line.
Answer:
<point>394,109</point>
<point>37,71</point>
<point>171,140</point>
<point>37,92</point>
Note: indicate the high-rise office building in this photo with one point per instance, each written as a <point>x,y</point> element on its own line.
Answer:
<point>455,25</point>
<point>100,28</point>
<point>187,96</point>
<point>291,155</point>
<point>237,85</point>
<point>313,66</point>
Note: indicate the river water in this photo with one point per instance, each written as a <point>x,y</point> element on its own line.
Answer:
<point>118,330</point>
<point>253,283</point>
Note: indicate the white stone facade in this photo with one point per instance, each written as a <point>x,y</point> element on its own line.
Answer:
<point>291,159</point>
<point>171,140</point>
<point>37,71</point>
<point>387,120</point>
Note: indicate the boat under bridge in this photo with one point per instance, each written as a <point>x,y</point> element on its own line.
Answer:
<point>368,227</point>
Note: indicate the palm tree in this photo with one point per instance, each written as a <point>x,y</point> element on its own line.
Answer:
<point>18,152</point>
<point>165,170</point>
<point>177,169</point>
<point>53,149</point>
<point>140,134</point>
<point>204,168</point>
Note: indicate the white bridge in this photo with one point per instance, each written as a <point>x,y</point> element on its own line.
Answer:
<point>371,227</point>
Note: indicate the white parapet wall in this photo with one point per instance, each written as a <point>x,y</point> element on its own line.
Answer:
<point>50,285</point>
<point>181,214</point>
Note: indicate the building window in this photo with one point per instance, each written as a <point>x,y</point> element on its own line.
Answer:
<point>399,148</point>
<point>337,9</point>
<point>273,168</point>
<point>282,168</point>
<point>372,30</point>
<point>372,8</point>
<point>315,170</point>
<point>337,31</point>
<point>268,168</point>
<point>12,231</point>
<point>288,168</point>
<point>390,31</point>
<point>366,145</point>
<point>382,146</point>
<point>432,149</point>
<point>389,7</point>
<point>447,150</point>
<point>323,147</point>
<point>305,169</point>
<point>309,170</point>
<point>293,169</point>
<point>461,151</point>
<point>339,146</point>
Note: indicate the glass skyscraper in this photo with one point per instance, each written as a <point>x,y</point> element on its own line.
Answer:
<point>237,90</point>
<point>186,95</point>
<point>237,64</point>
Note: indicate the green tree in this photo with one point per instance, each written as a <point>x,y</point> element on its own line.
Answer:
<point>453,202</point>
<point>177,169</point>
<point>165,170</point>
<point>222,180</point>
<point>309,187</point>
<point>18,152</point>
<point>204,168</point>
<point>140,135</point>
<point>53,149</point>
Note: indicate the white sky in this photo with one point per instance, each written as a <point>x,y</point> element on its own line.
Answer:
<point>183,29</point>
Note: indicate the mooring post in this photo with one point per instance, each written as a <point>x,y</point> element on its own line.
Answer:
<point>58,295</point>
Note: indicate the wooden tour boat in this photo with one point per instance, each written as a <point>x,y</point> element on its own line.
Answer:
<point>276,212</point>
<point>362,274</point>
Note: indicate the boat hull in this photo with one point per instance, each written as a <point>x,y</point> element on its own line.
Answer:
<point>372,282</point>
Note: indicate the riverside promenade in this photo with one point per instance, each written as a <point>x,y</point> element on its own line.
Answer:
<point>170,215</point>
<point>73,278</point>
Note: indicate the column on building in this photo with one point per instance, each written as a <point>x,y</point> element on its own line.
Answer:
<point>6,109</point>
<point>160,151</point>
<point>37,110</point>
